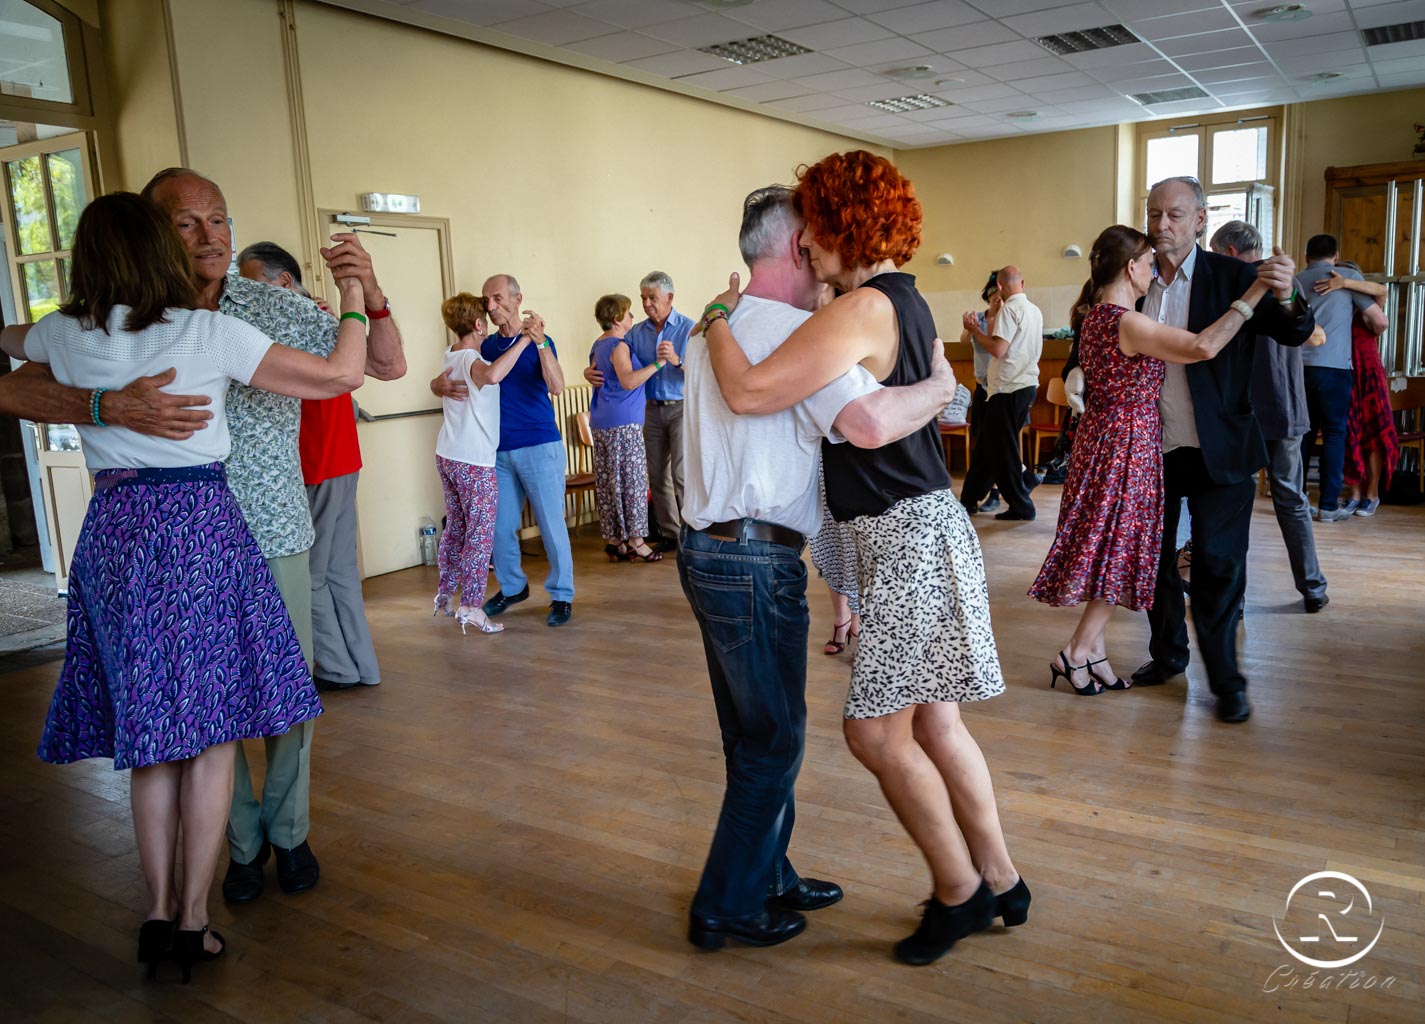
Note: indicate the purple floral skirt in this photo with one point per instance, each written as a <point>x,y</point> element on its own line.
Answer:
<point>177,637</point>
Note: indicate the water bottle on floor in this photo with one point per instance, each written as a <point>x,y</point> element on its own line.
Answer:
<point>429,540</point>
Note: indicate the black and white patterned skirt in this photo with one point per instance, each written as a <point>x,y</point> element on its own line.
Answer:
<point>925,610</point>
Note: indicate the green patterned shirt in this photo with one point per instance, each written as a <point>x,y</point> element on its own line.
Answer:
<point>265,468</point>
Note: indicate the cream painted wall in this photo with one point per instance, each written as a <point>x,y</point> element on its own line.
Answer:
<point>1374,129</point>
<point>146,120</point>
<point>1020,201</point>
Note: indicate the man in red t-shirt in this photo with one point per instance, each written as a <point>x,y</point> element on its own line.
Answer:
<point>331,459</point>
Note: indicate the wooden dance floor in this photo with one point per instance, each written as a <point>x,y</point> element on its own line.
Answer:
<point>511,827</point>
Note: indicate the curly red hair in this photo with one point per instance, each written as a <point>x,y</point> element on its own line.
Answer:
<point>858,205</point>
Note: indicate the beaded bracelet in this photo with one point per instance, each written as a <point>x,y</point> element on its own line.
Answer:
<point>708,318</point>
<point>712,306</point>
<point>94,397</point>
<point>353,315</point>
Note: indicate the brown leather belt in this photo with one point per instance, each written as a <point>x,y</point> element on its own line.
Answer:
<point>739,531</point>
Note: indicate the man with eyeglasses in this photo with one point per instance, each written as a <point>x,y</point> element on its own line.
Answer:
<point>1212,444</point>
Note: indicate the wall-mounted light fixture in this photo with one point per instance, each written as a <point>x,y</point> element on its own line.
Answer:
<point>1073,252</point>
<point>945,260</point>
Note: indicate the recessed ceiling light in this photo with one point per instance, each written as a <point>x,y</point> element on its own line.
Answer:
<point>725,3</point>
<point>914,71</point>
<point>901,104</point>
<point>949,81</point>
<point>1087,39</point>
<point>754,50</point>
<point>1022,115</point>
<point>1283,12</point>
<point>1326,76</point>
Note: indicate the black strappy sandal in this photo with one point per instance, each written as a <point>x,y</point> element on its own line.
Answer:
<point>1116,684</point>
<point>1067,674</point>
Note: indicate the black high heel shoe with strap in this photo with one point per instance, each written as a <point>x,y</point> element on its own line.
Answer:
<point>1114,684</point>
<point>155,941</point>
<point>1066,673</point>
<point>188,949</point>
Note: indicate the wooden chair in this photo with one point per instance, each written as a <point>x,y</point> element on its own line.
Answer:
<point>1037,432</point>
<point>949,430</point>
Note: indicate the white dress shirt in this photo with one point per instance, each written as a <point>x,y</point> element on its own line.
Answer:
<point>1169,305</point>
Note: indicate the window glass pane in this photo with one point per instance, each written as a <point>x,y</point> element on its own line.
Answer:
<point>1222,207</point>
<point>32,58</point>
<point>66,182</point>
<point>41,288</point>
<point>1239,155</point>
<point>27,190</point>
<point>1171,157</point>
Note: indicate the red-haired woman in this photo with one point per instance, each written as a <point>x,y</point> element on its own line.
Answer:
<point>1110,530</point>
<point>926,643</point>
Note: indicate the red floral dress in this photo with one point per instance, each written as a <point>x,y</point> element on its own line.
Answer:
<point>1110,527</point>
<point>1371,424</point>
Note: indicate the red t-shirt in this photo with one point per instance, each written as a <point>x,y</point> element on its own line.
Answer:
<point>328,441</point>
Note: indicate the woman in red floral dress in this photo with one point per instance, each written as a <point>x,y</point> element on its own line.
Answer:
<point>1106,546</point>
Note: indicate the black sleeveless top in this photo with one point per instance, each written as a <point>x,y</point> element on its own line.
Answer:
<point>862,482</point>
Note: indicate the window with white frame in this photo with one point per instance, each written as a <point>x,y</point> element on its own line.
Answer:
<point>1234,156</point>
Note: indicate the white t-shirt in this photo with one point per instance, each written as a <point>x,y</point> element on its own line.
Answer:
<point>207,350</point>
<point>471,431</point>
<point>1020,323</point>
<point>757,467</point>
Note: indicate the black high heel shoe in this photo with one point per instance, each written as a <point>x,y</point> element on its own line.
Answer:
<point>188,949</point>
<point>155,940</point>
<point>1066,673</point>
<point>1013,904</point>
<point>616,552</point>
<point>941,927</point>
<point>1116,684</point>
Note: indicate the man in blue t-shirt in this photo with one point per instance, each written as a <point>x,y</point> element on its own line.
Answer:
<point>530,462</point>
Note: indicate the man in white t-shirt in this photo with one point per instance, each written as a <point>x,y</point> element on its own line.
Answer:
<point>750,500</point>
<point>1014,340</point>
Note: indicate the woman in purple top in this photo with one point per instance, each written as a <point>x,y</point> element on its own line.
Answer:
<point>616,416</point>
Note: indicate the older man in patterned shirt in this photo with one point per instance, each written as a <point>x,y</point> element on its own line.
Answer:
<point>265,474</point>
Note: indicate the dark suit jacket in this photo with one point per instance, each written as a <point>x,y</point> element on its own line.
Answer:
<point>1227,430</point>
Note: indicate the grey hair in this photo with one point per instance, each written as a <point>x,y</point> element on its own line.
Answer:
<point>274,260</point>
<point>1190,182</point>
<point>1239,235</point>
<point>510,283</point>
<point>767,217</point>
<point>172,174</point>
<point>657,279</point>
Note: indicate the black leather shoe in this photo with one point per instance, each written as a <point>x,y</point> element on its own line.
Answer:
<point>1233,707</point>
<point>768,928</point>
<point>500,602</point>
<point>1315,604</point>
<point>297,868</point>
<point>1012,516</point>
<point>559,612</point>
<point>243,883</point>
<point>665,544</point>
<point>1150,673</point>
<point>941,927</point>
<point>807,894</point>
<point>971,510</point>
<point>991,504</point>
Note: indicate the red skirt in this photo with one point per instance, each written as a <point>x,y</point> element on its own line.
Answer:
<point>1370,427</point>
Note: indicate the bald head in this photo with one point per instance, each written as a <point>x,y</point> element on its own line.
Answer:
<point>198,210</point>
<point>502,302</point>
<point>1010,281</point>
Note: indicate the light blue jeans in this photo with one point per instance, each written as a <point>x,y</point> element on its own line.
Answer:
<point>536,473</point>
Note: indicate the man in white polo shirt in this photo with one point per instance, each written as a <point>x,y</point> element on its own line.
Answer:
<point>1014,340</point>
<point>750,500</point>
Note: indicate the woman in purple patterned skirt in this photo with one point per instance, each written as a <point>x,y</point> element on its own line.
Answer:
<point>178,642</point>
<point>1105,548</point>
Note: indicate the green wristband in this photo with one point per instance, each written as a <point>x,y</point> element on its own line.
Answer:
<point>715,305</point>
<point>543,344</point>
<point>355,316</point>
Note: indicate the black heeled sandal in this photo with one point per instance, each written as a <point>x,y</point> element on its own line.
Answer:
<point>1013,904</point>
<point>1066,673</point>
<point>616,552</point>
<point>155,941</point>
<point>1117,684</point>
<point>188,949</point>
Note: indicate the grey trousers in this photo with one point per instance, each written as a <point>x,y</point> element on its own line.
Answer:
<point>1287,474</point>
<point>663,438</point>
<point>341,638</point>
<point>283,816</point>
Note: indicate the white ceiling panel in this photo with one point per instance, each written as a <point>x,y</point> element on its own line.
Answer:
<point>1222,46</point>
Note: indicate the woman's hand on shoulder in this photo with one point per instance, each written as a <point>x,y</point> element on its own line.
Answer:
<point>728,298</point>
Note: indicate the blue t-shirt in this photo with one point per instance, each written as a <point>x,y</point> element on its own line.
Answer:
<point>526,412</point>
<point>1333,312</point>
<point>612,406</point>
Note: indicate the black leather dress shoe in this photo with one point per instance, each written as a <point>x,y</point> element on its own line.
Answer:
<point>768,928</point>
<point>807,894</point>
<point>1233,707</point>
<point>297,869</point>
<point>244,882</point>
<point>1315,604</point>
<point>559,612</point>
<point>1150,673</point>
<point>500,602</point>
<point>665,544</point>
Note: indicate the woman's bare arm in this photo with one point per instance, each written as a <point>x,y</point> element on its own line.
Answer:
<point>482,373</point>
<point>298,374</point>
<point>1141,335</point>
<point>629,378</point>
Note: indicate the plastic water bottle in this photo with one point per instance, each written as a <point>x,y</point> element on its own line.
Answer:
<point>429,540</point>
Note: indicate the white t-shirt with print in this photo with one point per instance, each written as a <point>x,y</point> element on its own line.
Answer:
<point>207,350</point>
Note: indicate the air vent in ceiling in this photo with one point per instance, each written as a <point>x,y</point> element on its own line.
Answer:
<point>901,104</point>
<point>1402,33</point>
<point>1191,92</point>
<point>754,50</point>
<point>1087,39</point>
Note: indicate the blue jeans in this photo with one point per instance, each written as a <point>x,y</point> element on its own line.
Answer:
<point>537,473</point>
<point>1328,401</point>
<point>750,603</point>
